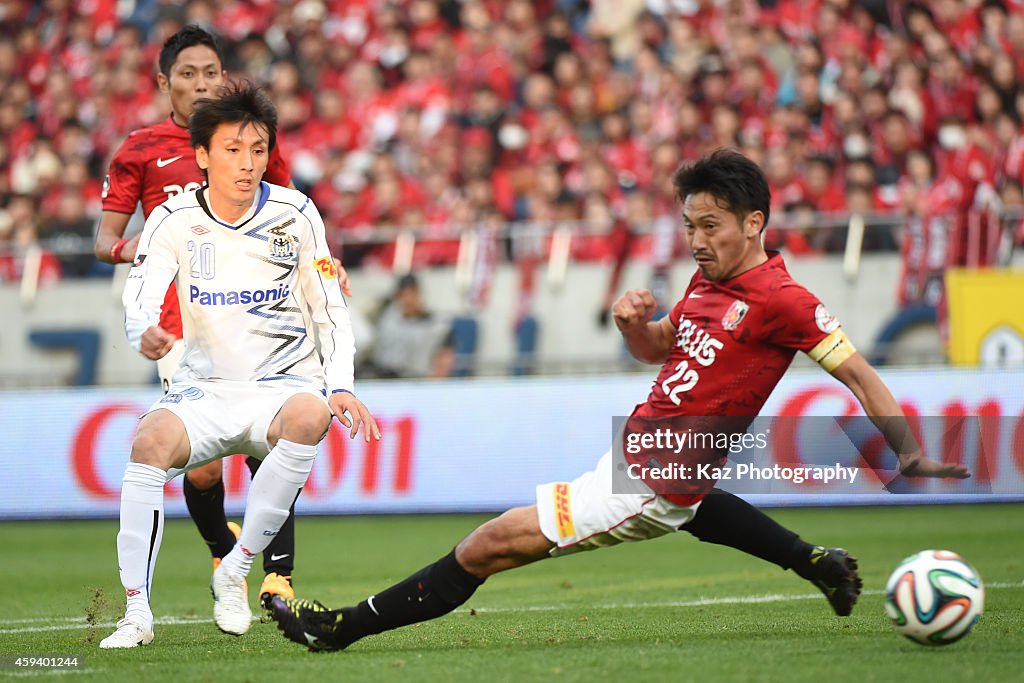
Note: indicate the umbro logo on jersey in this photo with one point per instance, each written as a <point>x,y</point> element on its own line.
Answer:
<point>160,163</point>
<point>199,230</point>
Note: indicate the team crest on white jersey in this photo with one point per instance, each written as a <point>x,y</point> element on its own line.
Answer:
<point>734,315</point>
<point>282,247</point>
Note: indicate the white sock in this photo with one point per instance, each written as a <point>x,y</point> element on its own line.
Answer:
<point>138,541</point>
<point>273,491</point>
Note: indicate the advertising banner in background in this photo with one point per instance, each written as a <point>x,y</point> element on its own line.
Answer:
<point>983,328</point>
<point>478,445</point>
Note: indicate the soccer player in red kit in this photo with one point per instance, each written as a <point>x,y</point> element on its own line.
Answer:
<point>723,348</point>
<point>151,166</point>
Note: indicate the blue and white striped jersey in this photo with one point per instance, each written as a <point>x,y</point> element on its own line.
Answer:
<point>260,300</point>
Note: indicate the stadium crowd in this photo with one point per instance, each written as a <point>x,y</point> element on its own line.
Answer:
<point>438,114</point>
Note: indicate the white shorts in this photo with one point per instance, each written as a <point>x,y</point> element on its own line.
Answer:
<point>222,418</point>
<point>584,514</point>
<point>168,365</point>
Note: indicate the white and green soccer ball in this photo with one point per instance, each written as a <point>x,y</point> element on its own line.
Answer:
<point>934,597</point>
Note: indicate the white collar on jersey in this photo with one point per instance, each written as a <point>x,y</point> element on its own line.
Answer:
<point>246,216</point>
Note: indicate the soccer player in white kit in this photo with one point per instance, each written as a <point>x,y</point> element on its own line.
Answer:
<point>268,351</point>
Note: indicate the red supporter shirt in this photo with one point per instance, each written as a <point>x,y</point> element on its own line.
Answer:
<point>154,164</point>
<point>734,341</point>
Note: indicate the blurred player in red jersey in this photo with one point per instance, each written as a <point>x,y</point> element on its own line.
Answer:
<point>723,348</point>
<point>151,166</point>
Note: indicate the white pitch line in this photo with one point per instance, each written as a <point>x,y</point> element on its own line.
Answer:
<point>44,672</point>
<point>34,620</point>
<point>699,602</point>
<point>160,621</point>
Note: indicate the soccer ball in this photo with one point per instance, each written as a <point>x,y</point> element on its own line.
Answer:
<point>934,597</point>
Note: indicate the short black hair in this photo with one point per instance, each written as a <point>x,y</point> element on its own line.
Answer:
<point>187,37</point>
<point>242,103</point>
<point>406,281</point>
<point>736,182</point>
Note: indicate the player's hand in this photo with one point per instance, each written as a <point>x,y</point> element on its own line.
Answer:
<point>343,282</point>
<point>634,308</point>
<point>351,412</point>
<point>129,250</point>
<point>916,465</point>
<point>156,342</point>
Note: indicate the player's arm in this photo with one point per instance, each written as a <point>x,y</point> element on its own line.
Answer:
<point>122,190</point>
<point>144,290</point>
<point>649,341</point>
<point>880,405</point>
<point>343,281</point>
<point>110,246</point>
<point>318,280</point>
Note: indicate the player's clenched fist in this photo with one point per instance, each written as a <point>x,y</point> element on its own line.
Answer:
<point>635,307</point>
<point>156,342</point>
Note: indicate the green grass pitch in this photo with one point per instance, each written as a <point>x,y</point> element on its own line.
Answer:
<point>666,610</point>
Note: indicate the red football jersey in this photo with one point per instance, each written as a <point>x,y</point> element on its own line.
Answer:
<point>154,164</point>
<point>734,341</point>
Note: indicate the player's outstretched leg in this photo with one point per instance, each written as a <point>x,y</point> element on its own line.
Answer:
<point>726,519</point>
<point>279,556</point>
<point>204,496</point>
<point>512,540</point>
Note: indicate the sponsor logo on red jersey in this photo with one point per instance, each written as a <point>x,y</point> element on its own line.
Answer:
<point>696,342</point>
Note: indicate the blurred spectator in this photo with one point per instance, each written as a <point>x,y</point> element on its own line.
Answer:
<point>70,234</point>
<point>20,251</point>
<point>411,341</point>
<point>930,207</point>
<point>1012,197</point>
<point>612,95</point>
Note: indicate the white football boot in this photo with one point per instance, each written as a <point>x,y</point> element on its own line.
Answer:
<point>231,610</point>
<point>128,634</point>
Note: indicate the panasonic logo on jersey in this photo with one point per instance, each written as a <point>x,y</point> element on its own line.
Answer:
<point>244,296</point>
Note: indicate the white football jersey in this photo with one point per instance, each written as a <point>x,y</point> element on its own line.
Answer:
<point>255,297</point>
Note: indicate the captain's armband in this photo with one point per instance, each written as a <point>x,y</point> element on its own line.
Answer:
<point>832,350</point>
